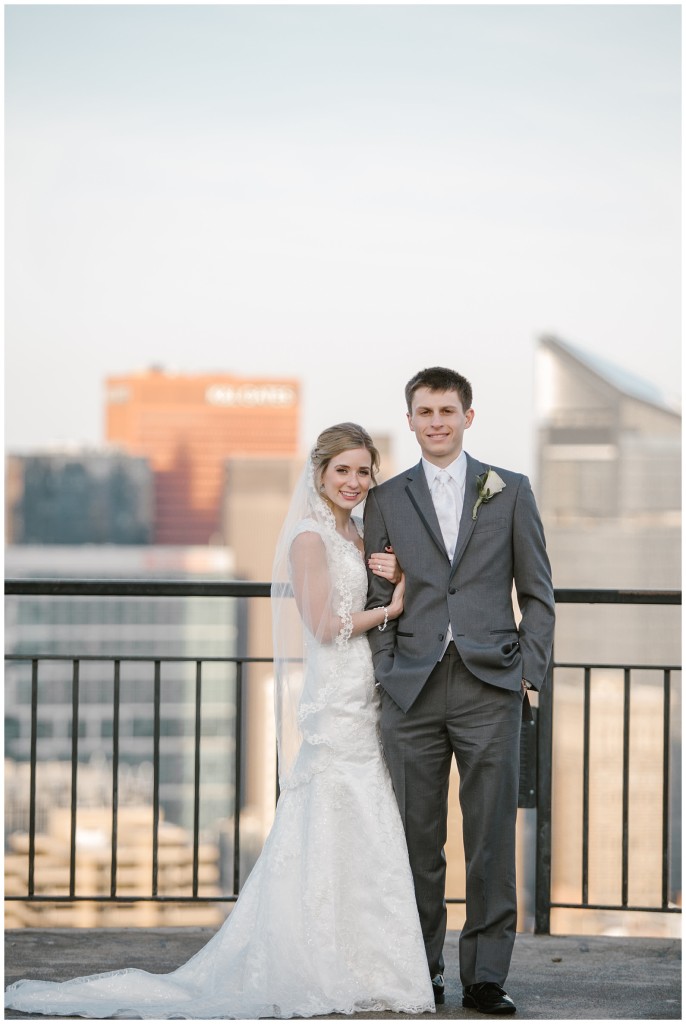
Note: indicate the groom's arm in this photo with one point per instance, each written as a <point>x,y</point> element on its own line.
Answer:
<point>379,590</point>
<point>534,586</point>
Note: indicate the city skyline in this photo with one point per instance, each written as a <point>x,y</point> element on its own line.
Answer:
<point>337,194</point>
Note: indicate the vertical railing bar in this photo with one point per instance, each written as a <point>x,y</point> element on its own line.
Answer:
<point>586,784</point>
<point>32,778</point>
<point>237,778</point>
<point>625,786</point>
<point>277,787</point>
<point>116,701</point>
<point>544,789</point>
<point>666,751</point>
<point>156,779</point>
<point>74,773</point>
<point>196,789</point>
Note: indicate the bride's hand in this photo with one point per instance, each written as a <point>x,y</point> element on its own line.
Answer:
<point>385,565</point>
<point>397,602</point>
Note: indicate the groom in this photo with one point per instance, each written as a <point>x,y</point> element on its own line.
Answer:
<point>454,669</point>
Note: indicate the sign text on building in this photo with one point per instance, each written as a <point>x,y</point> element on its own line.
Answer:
<point>279,395</point>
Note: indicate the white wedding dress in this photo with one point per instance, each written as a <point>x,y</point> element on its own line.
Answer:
<point>327,921</point>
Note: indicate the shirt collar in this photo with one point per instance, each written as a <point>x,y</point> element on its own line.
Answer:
<point>457,470</point>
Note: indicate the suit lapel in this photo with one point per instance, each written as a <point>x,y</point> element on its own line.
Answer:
<point>418,492</point>
<point>474,469</point>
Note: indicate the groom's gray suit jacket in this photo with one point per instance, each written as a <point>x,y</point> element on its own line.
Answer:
<point>504,544</point>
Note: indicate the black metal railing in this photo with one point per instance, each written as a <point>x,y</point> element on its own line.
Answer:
<point>240,589</point>
<point>156,662</point>
<point>544,903</point>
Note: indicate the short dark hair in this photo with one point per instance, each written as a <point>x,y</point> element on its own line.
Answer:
<point>439,378</point>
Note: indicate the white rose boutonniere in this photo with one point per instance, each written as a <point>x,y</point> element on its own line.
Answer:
<point>488,485</point>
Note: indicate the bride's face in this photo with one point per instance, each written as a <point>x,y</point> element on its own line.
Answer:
<point>347,478</point>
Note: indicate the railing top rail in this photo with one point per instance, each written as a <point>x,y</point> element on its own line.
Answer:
<point>136,588</point>
<point>572,595</point>
<point>249,588</point>
<point>164,659</point>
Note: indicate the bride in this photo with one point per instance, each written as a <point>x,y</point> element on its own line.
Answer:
<point>327,921</point>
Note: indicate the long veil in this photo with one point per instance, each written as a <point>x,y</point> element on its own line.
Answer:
<point>311,618</point>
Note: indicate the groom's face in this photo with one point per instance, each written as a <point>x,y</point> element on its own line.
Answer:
<point>439,422</point>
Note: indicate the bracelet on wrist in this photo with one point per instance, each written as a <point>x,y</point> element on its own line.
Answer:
<point>385,620</point>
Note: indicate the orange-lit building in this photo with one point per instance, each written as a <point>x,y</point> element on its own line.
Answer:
<point>188,426</point>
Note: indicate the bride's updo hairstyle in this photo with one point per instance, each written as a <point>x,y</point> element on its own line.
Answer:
<point>342,437</point>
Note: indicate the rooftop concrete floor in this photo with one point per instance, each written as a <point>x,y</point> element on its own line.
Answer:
<point>552,978</point>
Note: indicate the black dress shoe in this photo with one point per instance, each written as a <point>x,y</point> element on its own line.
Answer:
<point>438,986</point>
<point>487,997</point>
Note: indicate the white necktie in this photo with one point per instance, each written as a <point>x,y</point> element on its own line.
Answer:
<point>443,496</point>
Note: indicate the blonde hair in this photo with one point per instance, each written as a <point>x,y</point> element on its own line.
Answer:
<point>342,437</point>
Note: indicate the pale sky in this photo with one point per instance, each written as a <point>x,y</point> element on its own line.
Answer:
<point>343,194</point>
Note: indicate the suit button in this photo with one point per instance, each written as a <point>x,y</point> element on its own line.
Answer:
<point>440,636</point>
<point>453,590</point>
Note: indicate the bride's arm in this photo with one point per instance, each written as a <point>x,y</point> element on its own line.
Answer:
<point>312,590</point>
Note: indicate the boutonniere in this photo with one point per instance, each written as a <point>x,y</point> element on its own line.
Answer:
<point>488,485</point>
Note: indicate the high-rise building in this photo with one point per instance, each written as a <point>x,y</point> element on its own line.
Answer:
<point>188,426</point>
<point>78,496</point>
<point>101,627</point>
<point>609,490</point>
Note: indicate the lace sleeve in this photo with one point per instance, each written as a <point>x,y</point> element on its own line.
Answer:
<point>312,587</point>
<point>311,626</point>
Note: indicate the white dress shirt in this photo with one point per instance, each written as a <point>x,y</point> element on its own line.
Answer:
<point>456,476</point>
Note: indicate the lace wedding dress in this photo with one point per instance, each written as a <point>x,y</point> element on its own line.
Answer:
<point>327,921</point>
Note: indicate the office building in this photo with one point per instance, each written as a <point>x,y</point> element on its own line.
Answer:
<point>609,490</point>
<point>187,426</point>
<point>78,496</point>
<point>146,627</point>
